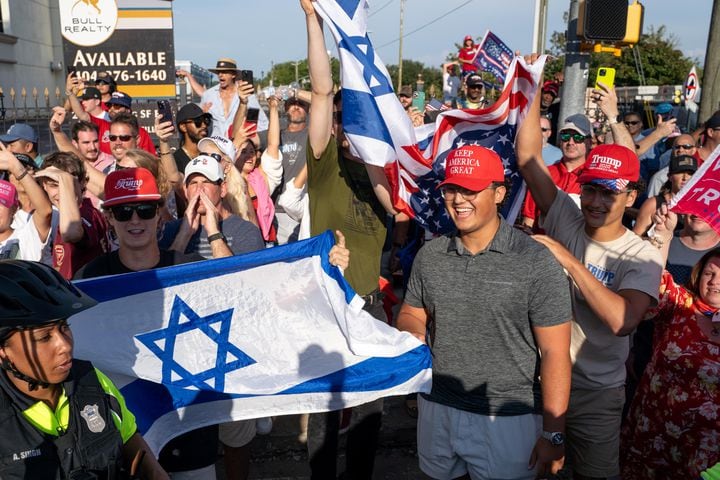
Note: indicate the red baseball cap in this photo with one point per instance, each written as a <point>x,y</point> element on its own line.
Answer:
<point>473,167</point>
<point>130,185</point>
<point>611,166</point>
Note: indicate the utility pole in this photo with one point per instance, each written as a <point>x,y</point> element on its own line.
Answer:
<point>540,26</point>
<point>710,100</point>
<point>400,54</point>
<point>576,70</point>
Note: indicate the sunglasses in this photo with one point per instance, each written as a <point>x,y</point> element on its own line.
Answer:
<point>122,138</point>
<point>200,121</point>
<point>472,87</point>
<point>683,147</point>
<point>577,137</point>
<point>216,156</point>
<point>632,122</point>
<point>145,211</point>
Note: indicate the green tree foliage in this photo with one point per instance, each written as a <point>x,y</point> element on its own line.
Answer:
<point>662,61</point>
<point>284,73</point>
<point>411,68</point>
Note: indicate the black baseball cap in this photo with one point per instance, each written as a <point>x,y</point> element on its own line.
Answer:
<point>91,93</point>
<point>683,163</point>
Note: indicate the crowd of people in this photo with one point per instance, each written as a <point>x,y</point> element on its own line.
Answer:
<point>585,337</point>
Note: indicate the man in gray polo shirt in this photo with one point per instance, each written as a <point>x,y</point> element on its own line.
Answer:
<point>489,300</point>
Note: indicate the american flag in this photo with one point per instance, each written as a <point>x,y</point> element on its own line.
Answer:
<point>382,134</point>
<point>493,56</point>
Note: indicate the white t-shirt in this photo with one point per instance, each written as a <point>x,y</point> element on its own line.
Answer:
<point>24,244</point>
<point>20,221</point>
<point>627,263</point>
<point>451,85</point>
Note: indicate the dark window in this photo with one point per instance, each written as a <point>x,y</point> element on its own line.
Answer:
<point>1,19</point>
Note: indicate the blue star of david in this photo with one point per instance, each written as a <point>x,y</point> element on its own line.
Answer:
<point>366,57</point>
<point>195,322</point>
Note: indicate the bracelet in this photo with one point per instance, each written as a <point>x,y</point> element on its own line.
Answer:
<point>245,102</point>
<point>67,94</point>
<point>216,236</point>
<point>165,153</point>
<point>22,175</point>
<point>613,121</point>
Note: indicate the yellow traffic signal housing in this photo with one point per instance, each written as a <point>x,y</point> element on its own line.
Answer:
<point>636,13</point>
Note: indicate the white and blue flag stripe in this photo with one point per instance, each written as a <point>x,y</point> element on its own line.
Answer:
<point>273,332</point>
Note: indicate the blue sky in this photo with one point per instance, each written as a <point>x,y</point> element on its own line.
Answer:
<point>256,32</point>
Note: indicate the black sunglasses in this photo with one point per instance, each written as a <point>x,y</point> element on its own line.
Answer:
<point>200,121</point>
<point>123,138</point>
<point>470,87</point>
<point>577,137</point>
<point>216,156</point>
<point>632,122</point>
<point>145,211</point>
<point>683,146</point>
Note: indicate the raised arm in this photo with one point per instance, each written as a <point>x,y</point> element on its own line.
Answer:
<point>528,150</point>
<point>196,87</point>
<point>606,99</point>
<point>70,221</point>
<point>662,130</point>
<point>321,103</point>
<point>72,85</point>
<point>42,215</point>
<point>244,90</point>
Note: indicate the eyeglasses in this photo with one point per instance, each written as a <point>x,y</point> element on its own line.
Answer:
<point>577,137</point>
<point>631,122</point>
<point>449,192</point>
<point>471,87</point>
<point>200,121</point>
<point>606,195</point>
<point>145,211</point>
<point>122,138</point>
<point>216,156</point>
<point>683,147</point>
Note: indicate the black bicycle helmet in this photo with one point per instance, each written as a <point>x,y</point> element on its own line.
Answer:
<point>33,294</point>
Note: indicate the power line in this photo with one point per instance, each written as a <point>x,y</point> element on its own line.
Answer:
<point>424,26</point>
<point>381,8</point>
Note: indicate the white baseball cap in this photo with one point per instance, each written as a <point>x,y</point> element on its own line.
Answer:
<point>223,143</point>
<point>206,166</point>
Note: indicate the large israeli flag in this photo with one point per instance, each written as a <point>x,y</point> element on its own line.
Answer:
<point>273,332</point>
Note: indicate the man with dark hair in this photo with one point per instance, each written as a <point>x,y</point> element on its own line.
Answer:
<point>123,135</point>
<point>120,103</point>
<point>82,232</point>
<point>474,97</point>
<point>486,368</point>
<point>615,278</point>
<point>192,125</point>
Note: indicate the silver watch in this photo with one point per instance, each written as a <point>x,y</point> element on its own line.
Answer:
<point>556,438</point>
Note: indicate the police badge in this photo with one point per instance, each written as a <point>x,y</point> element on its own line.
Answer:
<point>95,422</point>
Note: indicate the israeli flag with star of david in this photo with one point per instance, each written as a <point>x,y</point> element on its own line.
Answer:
<point>273,332</point>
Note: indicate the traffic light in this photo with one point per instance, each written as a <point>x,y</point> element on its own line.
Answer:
<point>636,12</point>
<point>602,20</point>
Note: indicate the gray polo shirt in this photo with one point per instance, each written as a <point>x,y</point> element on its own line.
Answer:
<point>481,311</point>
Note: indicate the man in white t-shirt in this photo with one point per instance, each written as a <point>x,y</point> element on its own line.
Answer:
<point>615,278</point>
<point>27,241</point>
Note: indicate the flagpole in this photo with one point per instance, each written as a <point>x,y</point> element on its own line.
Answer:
<point>400,54</point>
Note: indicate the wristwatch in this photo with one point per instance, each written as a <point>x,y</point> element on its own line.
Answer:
<point>216,236</point>
<point>556,438</point>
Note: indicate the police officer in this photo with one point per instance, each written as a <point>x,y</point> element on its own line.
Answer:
<point>60,418</point>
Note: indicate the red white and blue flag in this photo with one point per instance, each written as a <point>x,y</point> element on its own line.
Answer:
<point>381,133</point>
<point>493,56</point>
